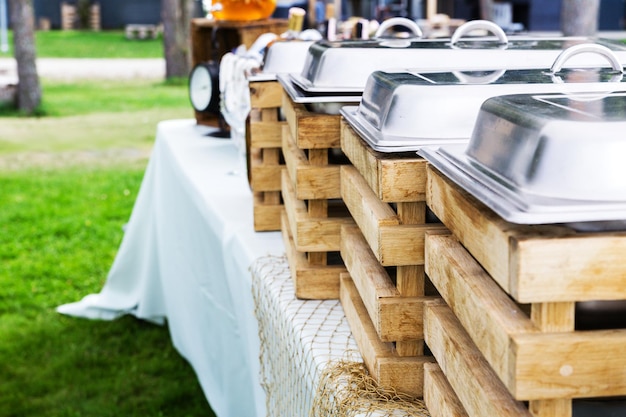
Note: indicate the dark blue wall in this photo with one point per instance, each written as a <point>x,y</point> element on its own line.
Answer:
<point>545,15</point>
<point>114,14</point>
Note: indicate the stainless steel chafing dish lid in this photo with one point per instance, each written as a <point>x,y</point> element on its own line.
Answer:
<point>282,57</point>
<point>328,103</point>
<point>403,111</point>
<point>546,158</point>
<point>345,65</point>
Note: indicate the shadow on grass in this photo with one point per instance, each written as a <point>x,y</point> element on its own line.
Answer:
<point>63,366</point>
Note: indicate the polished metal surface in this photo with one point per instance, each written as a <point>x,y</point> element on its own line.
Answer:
<point>548,158</point>
<point>282,57</point>
<point>402,111</point>
<point>346,65</point>
<point>562,146</point>
<point>326,103</point>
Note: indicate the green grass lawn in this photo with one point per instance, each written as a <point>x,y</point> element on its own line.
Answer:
<point>68,183</point>
<point>59,232</point>
<point>89,44</point>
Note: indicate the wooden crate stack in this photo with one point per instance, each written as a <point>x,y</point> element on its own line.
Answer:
<point>504,333</point>
<point>314,212</point>
<point>386,289</point>
<point>264,153</point>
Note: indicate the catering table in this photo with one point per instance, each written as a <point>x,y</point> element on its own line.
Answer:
<point>189,257</point>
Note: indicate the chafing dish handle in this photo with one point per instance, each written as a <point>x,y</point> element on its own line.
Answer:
<point>583,48</point>
<point>399,21</point>
<point>472,25</point>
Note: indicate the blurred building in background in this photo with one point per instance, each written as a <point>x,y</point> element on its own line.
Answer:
<point>533,15</point>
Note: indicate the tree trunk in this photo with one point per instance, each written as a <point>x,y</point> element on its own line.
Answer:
<point>176,16</point>
<point>579,17</point>
<point>23,24</point>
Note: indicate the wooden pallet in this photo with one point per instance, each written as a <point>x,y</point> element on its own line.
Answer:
<point>498,280</point>
<point>385,194</point>
<point>264,153</point>
<point>387,367</point>
<point>311,185</point>
<point>394,317</point>
<point>532,263</point>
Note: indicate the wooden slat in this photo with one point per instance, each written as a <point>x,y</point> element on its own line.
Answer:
<point>393,178</point>
<point>532,263</point>
<point>311,130</point>
<point>311,234</point>
<point>403,374</point>
<point>266,134</point>
<point>395,317</point>
<point>533,365</point>
<point>311,282</point>
<point>310,181</point>
<point>265,94</point>
<point>393,244</point>
<point>439,396</point>
<point>266,214</point>
<point>478,388</point>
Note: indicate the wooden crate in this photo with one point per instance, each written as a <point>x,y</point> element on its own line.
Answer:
<point>211,39</point>
<point>394,317</point>
<point>387,367</point>
<point>532,263</point>
<point>264,153</point>
<point>524,328</point>
<point>385,194</point>
<point>311,185</point>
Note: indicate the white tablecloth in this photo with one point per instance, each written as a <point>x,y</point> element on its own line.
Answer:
<point>185,257</point>
<point>190,257</point>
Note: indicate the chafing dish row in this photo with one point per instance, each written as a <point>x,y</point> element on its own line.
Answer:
<point>530,126</point>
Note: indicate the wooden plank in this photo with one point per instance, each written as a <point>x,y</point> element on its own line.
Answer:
<point>310,181</point>
<point>403,374</point>
<point>478,388</point>
<point>487,314</point>
<point>532,263</point>
<point>311,282</point>
<point>266,134</point>
<point>533,365</point>
<point>311,130</point>
<point>439,397</point>
<point>570,364</point>
<point>393,244</point>
<point>311,234</point>
<point>394,177</point>
<point>265,94</point>
<point>369,213</point>
<point>264,177</point>
<point>395,317</point>
<point>266,215</point>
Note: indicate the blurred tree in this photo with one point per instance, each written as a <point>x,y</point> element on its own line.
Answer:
<point>176,16</point>
<point>579,17</point>
<point>23,24</point>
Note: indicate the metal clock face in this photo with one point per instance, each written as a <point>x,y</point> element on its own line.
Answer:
<point>204,87</point>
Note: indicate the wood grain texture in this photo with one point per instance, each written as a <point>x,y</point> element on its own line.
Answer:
<point>311,130</point>
<point>405,374</point>
<point>532,263</point>
<point>311,282</point>
<point>439,397</point>
<point>478,388</point>
<point>392,177</point>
